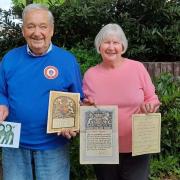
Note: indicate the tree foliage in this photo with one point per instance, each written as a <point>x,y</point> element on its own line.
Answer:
<point>151,26</point>
<point>167,163</point>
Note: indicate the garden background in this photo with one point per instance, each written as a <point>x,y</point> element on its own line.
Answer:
<point>152,28</point>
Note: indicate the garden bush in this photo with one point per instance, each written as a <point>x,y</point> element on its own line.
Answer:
<point>151,26</point>
<point>166,165</point>
<point>86,57</point>
<point>168,90</point>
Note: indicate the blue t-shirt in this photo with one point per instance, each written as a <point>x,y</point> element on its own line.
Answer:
<point>25,83</point>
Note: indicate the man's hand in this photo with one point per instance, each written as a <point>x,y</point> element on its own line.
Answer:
<point>3,112</point>
<point>68,133</point>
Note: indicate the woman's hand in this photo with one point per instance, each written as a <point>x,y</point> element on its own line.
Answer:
<point>149,108</point>
<point>67,133</point>
<point>88,102</point>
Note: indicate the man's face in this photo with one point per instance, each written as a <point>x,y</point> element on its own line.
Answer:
<point>38,31</point>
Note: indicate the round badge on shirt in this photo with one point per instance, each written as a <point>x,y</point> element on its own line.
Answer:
<point>51,72</point>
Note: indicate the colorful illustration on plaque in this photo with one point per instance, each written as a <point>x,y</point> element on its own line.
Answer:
<point>64,109</point>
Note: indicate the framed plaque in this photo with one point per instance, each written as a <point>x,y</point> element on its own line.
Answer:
<point>63,112</point>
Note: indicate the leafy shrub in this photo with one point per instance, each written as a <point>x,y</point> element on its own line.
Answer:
<point>79,21</point>
<point>86,57</point>
<point>165,168</point>
<point>151,26</point>
<point>168,90</point>
<point>10,35</point>
<point>166,165</point>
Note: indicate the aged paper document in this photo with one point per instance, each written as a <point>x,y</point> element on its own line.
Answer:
<point>10,134</point>
<point>63,111</point>
<point>146,133</point>
<point>99,135</point>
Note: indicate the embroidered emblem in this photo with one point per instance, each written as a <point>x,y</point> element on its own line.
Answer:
<point>50,72</point>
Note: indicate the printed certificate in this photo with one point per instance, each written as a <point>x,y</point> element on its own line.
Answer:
<point>99,135</point>
<point>146,133</point>
<point>63,111</point>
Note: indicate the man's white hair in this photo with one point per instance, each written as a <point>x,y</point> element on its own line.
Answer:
<point>34,6</point>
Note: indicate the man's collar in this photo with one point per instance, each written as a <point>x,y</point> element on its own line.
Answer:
<point>32,54</point>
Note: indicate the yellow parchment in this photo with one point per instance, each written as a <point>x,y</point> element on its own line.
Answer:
<point>146,133</point>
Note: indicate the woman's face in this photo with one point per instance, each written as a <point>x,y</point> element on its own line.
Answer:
<point>111,48</point>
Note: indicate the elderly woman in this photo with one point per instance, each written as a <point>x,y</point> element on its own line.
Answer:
<point>126,83</point>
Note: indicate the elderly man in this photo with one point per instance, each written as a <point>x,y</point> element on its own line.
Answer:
<point>27,74</point>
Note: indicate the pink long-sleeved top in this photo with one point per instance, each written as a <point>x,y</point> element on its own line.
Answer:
<point>127,86</point>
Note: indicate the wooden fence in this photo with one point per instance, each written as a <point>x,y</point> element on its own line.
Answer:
<point>156,68</point>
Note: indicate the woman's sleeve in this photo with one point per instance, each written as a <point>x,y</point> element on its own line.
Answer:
<point>148,87</point>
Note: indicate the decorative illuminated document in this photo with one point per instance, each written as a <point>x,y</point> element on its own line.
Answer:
<point>146,133</point>
<point>9,134</point>
<point>99,135</point>
<point>63,111</point>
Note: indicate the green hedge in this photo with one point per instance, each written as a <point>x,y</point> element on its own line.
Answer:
<point>168,90</point>
<point>167,163</point>
<point>86,57</point>
<point>151,26</point>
